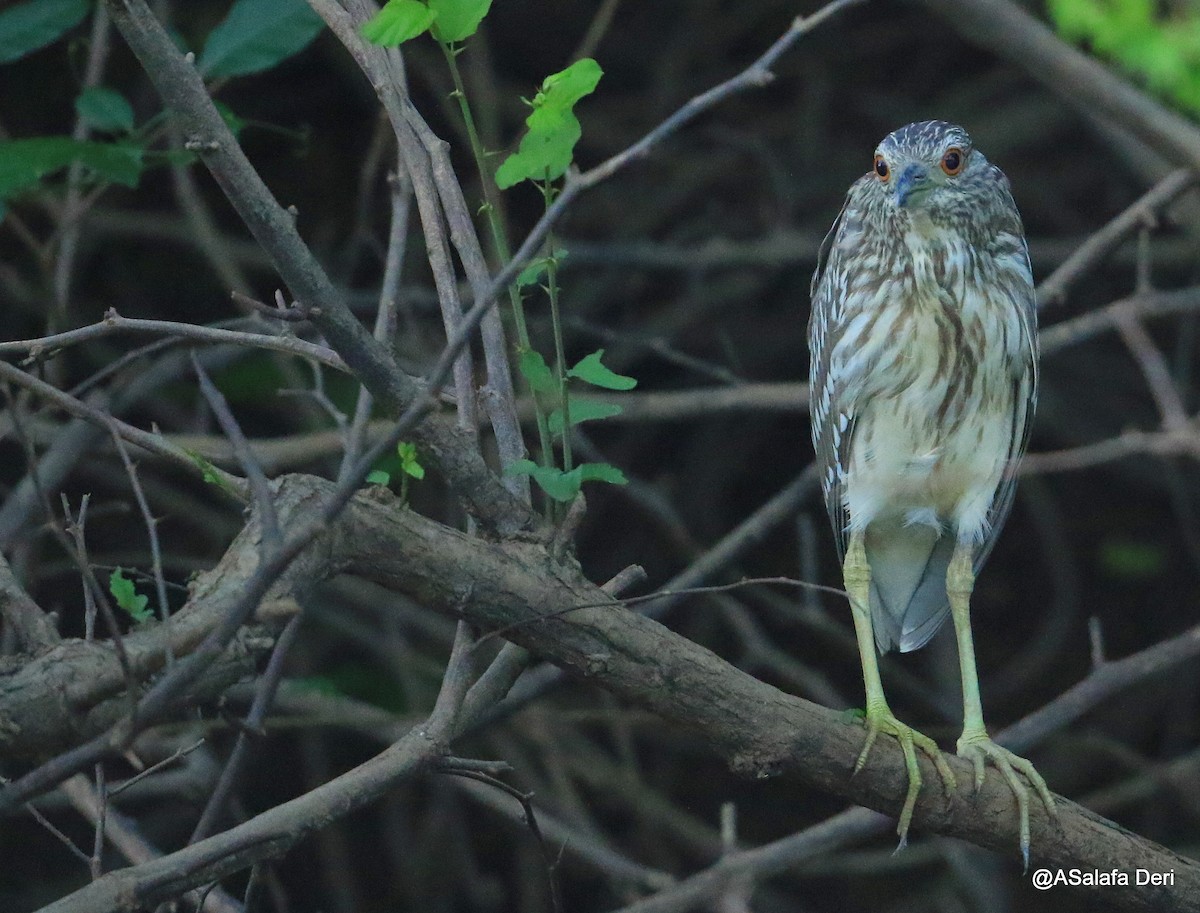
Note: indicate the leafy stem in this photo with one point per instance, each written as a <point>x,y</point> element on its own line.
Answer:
<point>560,356</point>
<point>500,245</point>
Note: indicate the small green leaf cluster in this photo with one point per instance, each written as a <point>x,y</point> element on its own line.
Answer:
<point>545,153</point>
<point>590,370</point>
<point>255,36</point>
<point>562,484</point>
<point>209,473</point>
<point>448,21</point>
<point>1159,42</point>
<point>405,463</point>
<point>552,130</point>
<point>127,598</point>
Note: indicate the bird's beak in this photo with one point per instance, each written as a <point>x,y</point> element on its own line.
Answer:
<point>912,183</point>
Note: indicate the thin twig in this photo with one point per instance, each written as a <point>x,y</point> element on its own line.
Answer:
<point>151,524</point>
<point>385,315</point>
<point>1156,371</point>
<point>155,767</point>
<point>114,324</point>
<point>155,443</point>
<point>63,838</point>
<point>1145,305</point>
<point>673,595</point>
<point>76,205</point>
<point>525,799</point>
<point>1092,252</point>
<point>94,597</point>
<point>1182,442</point>
<point>264,697</point>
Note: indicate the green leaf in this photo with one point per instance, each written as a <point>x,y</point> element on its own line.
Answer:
<point>24,162</point>
<point>564,486</point>
<point>601,472</point>
<point>378,477</point>
<point>105,109</point>
<point>457,19</point>
<point>25,27</point>
<point>562,89</point>
<point>127,598</point>
<point>548,145</point>
<point>209,473</point>
<point>398,22</point>
<point>592,371</point>
<point>559,485</point>
<point>583,410</point>
<point>257,35</point>
<point>1158,42</point>
<point>535,370</point>
<point>533,273</point>
<point>408,460</point>
<point>546,150</point>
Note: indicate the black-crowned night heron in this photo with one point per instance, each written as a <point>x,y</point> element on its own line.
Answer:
<point>923,381</point>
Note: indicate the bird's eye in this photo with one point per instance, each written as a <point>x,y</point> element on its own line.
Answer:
<point>881,168</point>
<point>952,161</point>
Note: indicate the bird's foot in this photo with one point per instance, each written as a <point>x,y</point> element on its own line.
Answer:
<point>910,740</point>
<point>981,750</point>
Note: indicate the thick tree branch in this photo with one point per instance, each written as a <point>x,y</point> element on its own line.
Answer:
<point>517,586</point>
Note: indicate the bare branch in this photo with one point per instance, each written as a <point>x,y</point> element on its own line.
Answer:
<point>155,443</point>
<point>264,696</point>
<point>1053,289</point>
<point>114,324</point>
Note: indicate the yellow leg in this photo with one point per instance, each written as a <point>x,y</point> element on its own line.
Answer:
<point>975,745</point>
<point>856,574</point>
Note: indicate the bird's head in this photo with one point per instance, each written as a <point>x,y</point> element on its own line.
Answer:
<point>925,162</point>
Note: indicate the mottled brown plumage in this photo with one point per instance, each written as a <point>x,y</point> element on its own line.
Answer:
<point>922,384</point>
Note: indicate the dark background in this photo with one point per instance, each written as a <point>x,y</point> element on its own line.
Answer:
<point>764,175</point>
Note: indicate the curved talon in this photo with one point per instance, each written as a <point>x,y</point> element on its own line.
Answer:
<point>910,740</point>
<point>980,750</point>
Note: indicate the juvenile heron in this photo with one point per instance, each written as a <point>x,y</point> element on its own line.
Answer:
<point>924,376</point>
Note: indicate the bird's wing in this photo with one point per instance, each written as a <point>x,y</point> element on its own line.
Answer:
<point>832,420</point>
<point>1018,284</point>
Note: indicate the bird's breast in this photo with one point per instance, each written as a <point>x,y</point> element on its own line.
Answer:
<point>930,388</point>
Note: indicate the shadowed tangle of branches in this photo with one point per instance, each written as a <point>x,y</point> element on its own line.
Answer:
<point>279,630</point>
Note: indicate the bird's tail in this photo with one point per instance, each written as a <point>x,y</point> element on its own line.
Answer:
<point>908,583</point>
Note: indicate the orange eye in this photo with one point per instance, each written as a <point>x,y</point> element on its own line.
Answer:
<point>882,171</point>
<point>953,161</point>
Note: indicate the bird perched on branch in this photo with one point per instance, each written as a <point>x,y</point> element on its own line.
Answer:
<point>923,381</point>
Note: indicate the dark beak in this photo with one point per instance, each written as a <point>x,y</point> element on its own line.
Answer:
<point>912,181</point>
